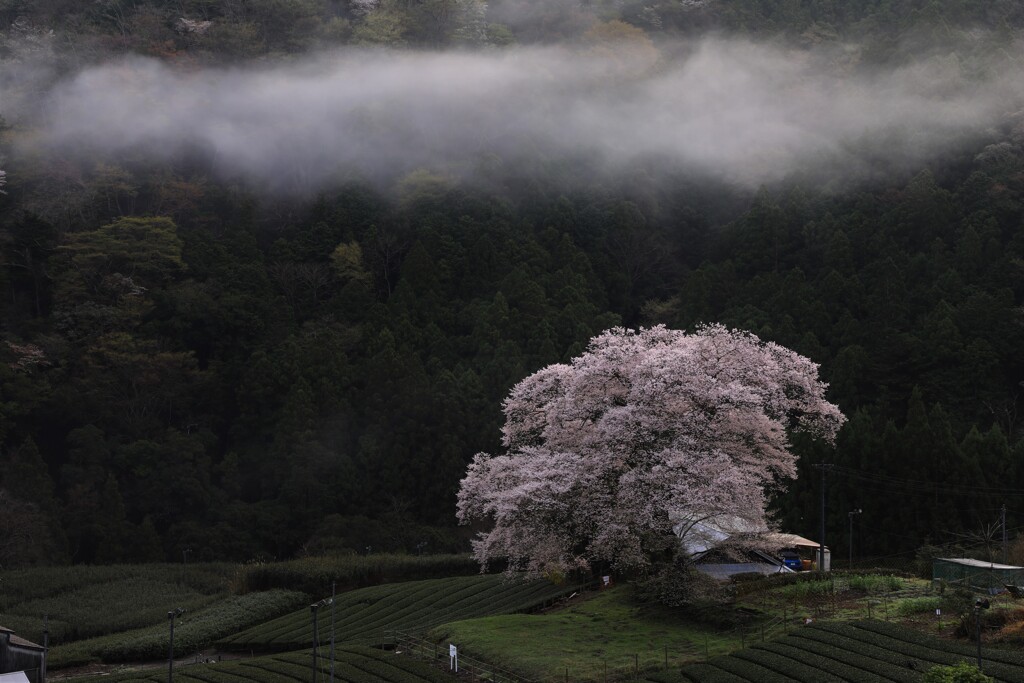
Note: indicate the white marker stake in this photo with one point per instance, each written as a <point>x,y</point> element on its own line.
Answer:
<point>453,658</point>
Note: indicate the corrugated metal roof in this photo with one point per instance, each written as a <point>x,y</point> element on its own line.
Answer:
<point>724,571</point>
<point>17,640</point>
<point>21,642</point>
<point>792,540</point>
<point>980,564</point>
<point>16,677</point>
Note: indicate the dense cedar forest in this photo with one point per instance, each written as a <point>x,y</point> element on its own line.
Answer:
<point>191,364</point>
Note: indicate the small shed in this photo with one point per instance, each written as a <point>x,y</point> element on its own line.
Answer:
<point>19,656</point>
<point>989,577</point>
<point>801,547</point>
<point>767,553</point>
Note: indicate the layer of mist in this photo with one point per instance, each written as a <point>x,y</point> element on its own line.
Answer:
<point>743,112</point>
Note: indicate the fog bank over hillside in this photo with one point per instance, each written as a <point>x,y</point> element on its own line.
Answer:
<point>751,113</point>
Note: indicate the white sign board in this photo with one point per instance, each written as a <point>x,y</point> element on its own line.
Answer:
<point>453,658</point>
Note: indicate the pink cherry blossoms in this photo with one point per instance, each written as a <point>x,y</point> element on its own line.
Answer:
<point>645,433</point>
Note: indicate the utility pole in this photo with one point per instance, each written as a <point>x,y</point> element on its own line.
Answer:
<point>316,634</point>
<point>1003,524</point>
<point>313,608</point>
<point>46,644</point>
<point>851,514</point>
<point>824,467</point>
<point>334,588</point>
<point>170,647</point>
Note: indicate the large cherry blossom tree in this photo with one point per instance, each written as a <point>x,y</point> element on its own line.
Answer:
<point>645,435</point>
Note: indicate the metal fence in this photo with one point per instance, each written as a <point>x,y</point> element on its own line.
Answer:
<point>409,644</point>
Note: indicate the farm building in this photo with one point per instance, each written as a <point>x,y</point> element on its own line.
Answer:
<point>989,577</point>
<point>775,553</point>
<point>19,655</point>
<point>719,565</point>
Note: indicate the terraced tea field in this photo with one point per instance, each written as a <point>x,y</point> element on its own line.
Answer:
<point>859,652</point>
<point>365,615</point>
<point>352,664</point>
<point>83,602</point>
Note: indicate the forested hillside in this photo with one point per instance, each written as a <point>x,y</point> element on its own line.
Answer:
<point>199,356</point>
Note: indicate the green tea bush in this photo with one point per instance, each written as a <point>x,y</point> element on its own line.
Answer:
<point>750,671</point>
<point>709,673</point>
<point>959,673</point>
<point>874,583</point>
<point>668,677</point>
<point>784,665</point>
<point>909,606</point>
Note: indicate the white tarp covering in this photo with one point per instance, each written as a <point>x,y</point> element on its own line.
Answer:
<point>17,677</point>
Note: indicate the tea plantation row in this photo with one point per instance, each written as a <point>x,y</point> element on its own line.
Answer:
<point>352,664</point>
<point>365,615</point>
<point>859,652</point>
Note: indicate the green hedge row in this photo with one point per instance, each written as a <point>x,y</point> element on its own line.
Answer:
<point>709,672</point>
<point>850,666</point>
<point>750,671</point>
<point>22,585</point>
<point>785,666</point>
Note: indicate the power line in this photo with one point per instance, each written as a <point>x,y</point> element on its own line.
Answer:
<point>922,486</point>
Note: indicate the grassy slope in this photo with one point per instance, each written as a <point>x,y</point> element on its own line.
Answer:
<point>612,630</point>
<point>608,630</point>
